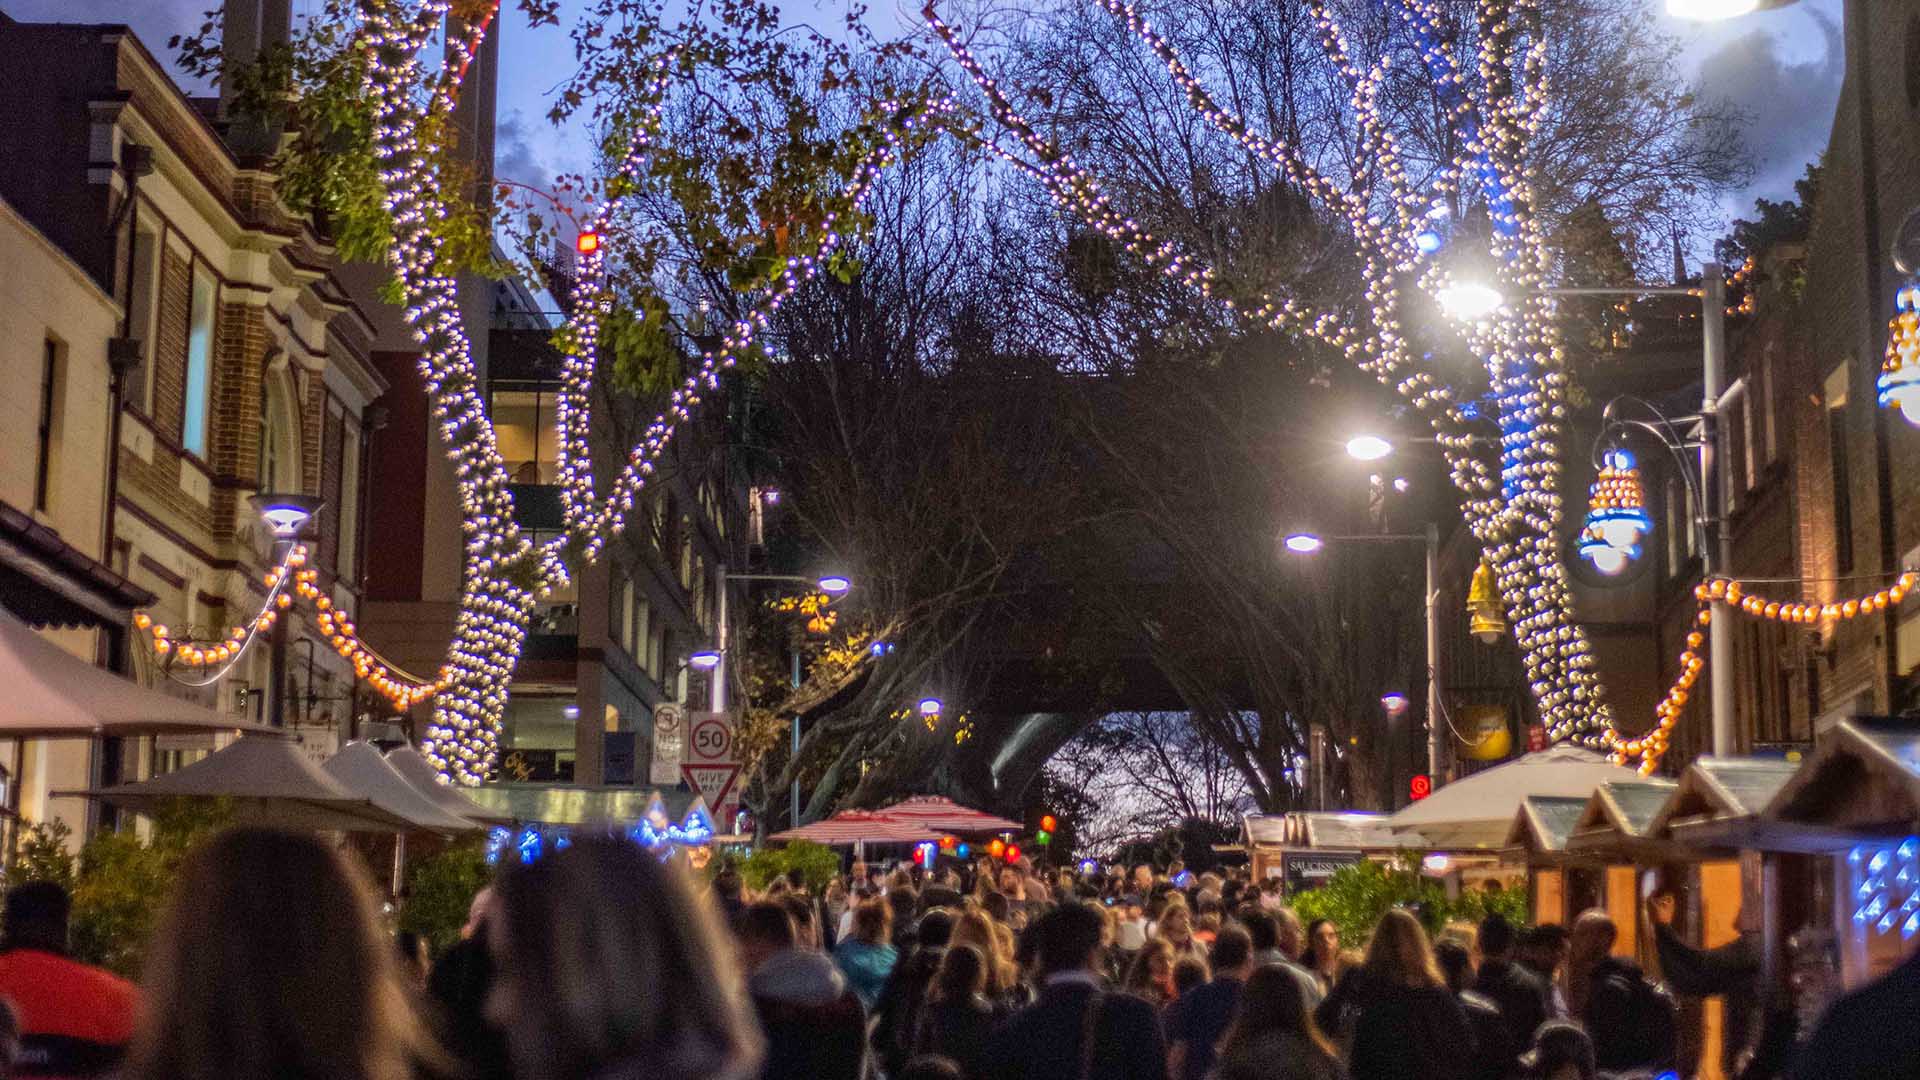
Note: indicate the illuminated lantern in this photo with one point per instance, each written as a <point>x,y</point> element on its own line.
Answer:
<point>963,850</point>
<point>1013,852</point>
<point>1487,620</point>
<point>588,243</point>
<point>947,843</point>
<point>1047,823</point>
<point>997,848</point>
<point>1043,838</point>
<point>1899,382</point>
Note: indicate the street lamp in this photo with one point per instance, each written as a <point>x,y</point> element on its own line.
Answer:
<point>1471,300</point>
<point>287,516</point>
<point>1368,447</point>
<point>1306,543</point>
<point>714,660</point>
<point>1717,10</point>
<point>931,706</point>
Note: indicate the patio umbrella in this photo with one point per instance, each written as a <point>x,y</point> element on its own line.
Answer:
<point>1478,811</point>
<point>859,827</point>
<point>416,770</point>
<point>52,693</point>
<point>269,780</point>
<point>361,768</point>
<point>946,816</point>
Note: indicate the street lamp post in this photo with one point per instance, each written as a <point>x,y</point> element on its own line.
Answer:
<point>715,659</point>
<point>287,518</point>
<point>1303,543</point>
<point>1716,548</point>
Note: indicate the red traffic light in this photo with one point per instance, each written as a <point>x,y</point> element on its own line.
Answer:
<point>588,243</point>
<point>1420,787</point>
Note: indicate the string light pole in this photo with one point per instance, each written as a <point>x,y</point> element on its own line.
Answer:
<point>1306,543</point>
<point>1615,550</point>
<point>287,517</point>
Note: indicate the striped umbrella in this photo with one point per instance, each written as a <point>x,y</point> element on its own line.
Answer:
<point>859,827</point>
<point>946,816</point>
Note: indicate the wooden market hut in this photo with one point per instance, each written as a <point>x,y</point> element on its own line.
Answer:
<point>1856,800</point>
<point>1305,848</point>
<point>1558,883</point>
<point>1611,833</point>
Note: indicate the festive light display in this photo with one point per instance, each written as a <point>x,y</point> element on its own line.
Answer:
<point>1899,381</point>
<point>1616,515</point>
<point>1494,113</point>
<point>1650,747</point>
<point>502,572</point>
<point>1885,879</point>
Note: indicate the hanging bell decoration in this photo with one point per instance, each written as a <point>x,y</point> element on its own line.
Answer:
<point>1487,620</point>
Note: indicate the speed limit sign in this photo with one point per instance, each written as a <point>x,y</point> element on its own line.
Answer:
<point>710,738</point>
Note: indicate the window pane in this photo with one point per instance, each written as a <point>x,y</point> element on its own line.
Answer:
<point>523,424</point>
<point>199,366</point>
<point>350,502</point>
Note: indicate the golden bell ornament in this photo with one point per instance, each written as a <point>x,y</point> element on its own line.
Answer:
<point>1486,619</point>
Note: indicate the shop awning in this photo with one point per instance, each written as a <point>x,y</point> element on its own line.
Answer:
<point>362,769</point>
<point>267,779</point>
<point>860,827</point>
<point>419,772</point>
<point>49,582</point>
<point>47,692</point>
<point>1478,811</point>
<point>946,816</point>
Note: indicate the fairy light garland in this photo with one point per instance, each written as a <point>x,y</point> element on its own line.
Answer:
<point>1515,515</point>
<point>1899,382</point>
<point>1652,745</point>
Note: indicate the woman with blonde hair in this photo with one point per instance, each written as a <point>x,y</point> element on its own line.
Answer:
<point>611,966</point>
<point>1176,929</point>
<point>1151,976</point>
<point>270,962</point>
<point>974,927</point>
<point>1396,1012</point>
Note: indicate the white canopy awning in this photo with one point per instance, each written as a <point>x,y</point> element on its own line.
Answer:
<point>419,772</point>
<point>267,779</point>
<point>1478,811</point>
<point>362,769</point>
<point>47,692</point>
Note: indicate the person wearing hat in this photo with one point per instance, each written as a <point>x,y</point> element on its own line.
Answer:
<point>1562,1050</point>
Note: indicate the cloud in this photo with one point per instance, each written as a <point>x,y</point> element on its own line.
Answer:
<point>1791,99</point>
<point>514,154</point>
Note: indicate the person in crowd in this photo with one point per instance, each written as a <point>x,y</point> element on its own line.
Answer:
<point>1272,930</point>
<point>1519,994</point>
<point>802,910</point>
<point>834,904</point>
<point>957,1019</point>
<point>1075,1028</point>
<point>1175,927</point>
<point>903,910</point>
<point>612,967</point>
<point>270,962</point>
<point>974,927</point>
<point>460,984</point>
<point>73,1019</point>
<point>9,1041</point>
<point>932,1067</point>
<point>1273,1035</point>
<point>1323,953</point>
<point>867,956</point>
<point>1395,1011</point>
<point>1188,975</point>
<point>1633,1022</point>
<point>1732,971</point>
<point>730,890</point>
<point>1493,1054</point>
<point>1561,1050</point>
<point>1868,1033</point>
<point>1542,950</point>
<point>1130,929</point>
<point>416,960</point>
<point>898,1014</point>
<point>1197,1021</point>
<point>1151,976</point>
<point>813,1023</point>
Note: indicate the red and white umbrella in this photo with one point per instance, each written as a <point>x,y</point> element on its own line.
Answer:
<point>946,816</point>
<point>859,827</point>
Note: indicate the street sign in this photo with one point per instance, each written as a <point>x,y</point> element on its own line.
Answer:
<point>1420,787</point>
<point>1536,738</point>
<point>713,782</point>
<point>669,743</point>
<point>711,738</point>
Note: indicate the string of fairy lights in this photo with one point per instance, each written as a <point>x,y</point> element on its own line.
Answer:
<point>1397,229</point>
<point>503,574</point>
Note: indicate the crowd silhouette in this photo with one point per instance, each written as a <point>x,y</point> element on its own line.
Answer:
<point>601,962</point>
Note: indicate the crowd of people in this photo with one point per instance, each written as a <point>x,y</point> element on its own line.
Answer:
<point>600,962</point>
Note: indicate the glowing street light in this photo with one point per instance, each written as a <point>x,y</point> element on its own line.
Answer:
<point>1368,448</point>
<point>1471,300</point>
<point>1303,543</point>
<point>834,584</point>
<point>704,660</point>
<point>931,706</point>
<point>1394,702</point>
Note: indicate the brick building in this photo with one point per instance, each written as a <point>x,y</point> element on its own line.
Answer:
<point>249,367</point>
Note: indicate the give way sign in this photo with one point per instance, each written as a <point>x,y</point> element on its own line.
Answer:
<point>711,766</point>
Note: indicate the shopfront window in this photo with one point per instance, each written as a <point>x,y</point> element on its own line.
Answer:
<point>525,424</point>
<point>537,739</point>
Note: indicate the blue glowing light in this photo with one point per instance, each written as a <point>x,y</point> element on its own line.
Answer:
<point>498,838</point>
<point>1428,242</point>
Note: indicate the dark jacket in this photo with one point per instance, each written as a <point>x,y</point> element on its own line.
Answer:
<point>1521,996</point>
<point>1731,971</point>
<point>1199,1021</point>
<point>901,1002</point>
<point>1399,1031</point>
<point>816,1027</point>
<point>1493,1055</point>
<point>1624,1036</point>
<point>1047,1040</point>
<point>1274,1055</point>
<point>1869,1033</point>
<point>459,986</point>
<point>961,1030</point>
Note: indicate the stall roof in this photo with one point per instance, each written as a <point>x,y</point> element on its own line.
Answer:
<point>1860,784</point>
<point>1544,822</point>
<point>1618,814</point>
<point>426,780</point>
<point>1478,811</point>
<point>1327,830</point>
<point>1721,790</point>
<point>365,771</point>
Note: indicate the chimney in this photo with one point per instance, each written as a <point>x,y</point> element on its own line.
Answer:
<point>247,28</point>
